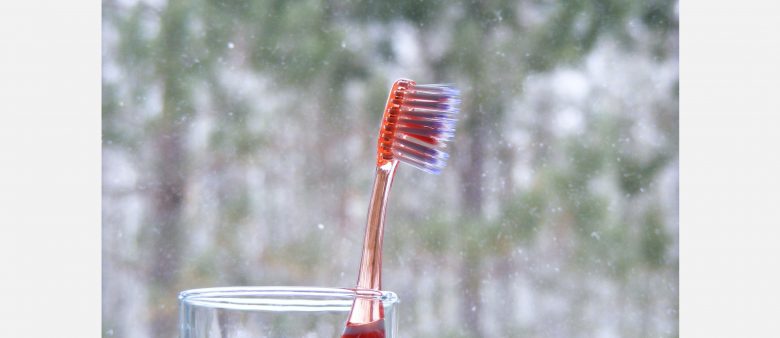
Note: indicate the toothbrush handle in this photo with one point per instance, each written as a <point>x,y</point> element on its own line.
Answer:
<point>370,274</point>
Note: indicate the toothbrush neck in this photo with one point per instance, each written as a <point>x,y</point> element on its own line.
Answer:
<point>370,275</point>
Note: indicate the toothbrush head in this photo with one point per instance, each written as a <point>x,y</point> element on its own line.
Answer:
<point>417,123</point>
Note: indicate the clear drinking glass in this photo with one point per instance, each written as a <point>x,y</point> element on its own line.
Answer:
<point>275,311</point>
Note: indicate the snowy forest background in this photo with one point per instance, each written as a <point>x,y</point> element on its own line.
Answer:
<point>239,140</point>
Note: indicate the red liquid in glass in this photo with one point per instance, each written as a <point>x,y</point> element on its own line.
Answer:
<point>371,330</point>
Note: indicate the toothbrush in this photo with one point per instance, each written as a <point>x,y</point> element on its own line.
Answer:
<point>418,121</point>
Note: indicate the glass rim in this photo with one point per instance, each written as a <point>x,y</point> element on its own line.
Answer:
<point>281,298</point>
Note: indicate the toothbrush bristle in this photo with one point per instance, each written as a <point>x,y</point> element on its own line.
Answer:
<point>418,122</point>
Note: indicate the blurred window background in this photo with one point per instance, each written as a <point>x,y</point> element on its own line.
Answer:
<point>239,141</point>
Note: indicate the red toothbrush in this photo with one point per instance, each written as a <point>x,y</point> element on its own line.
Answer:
<point>417,122</point>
